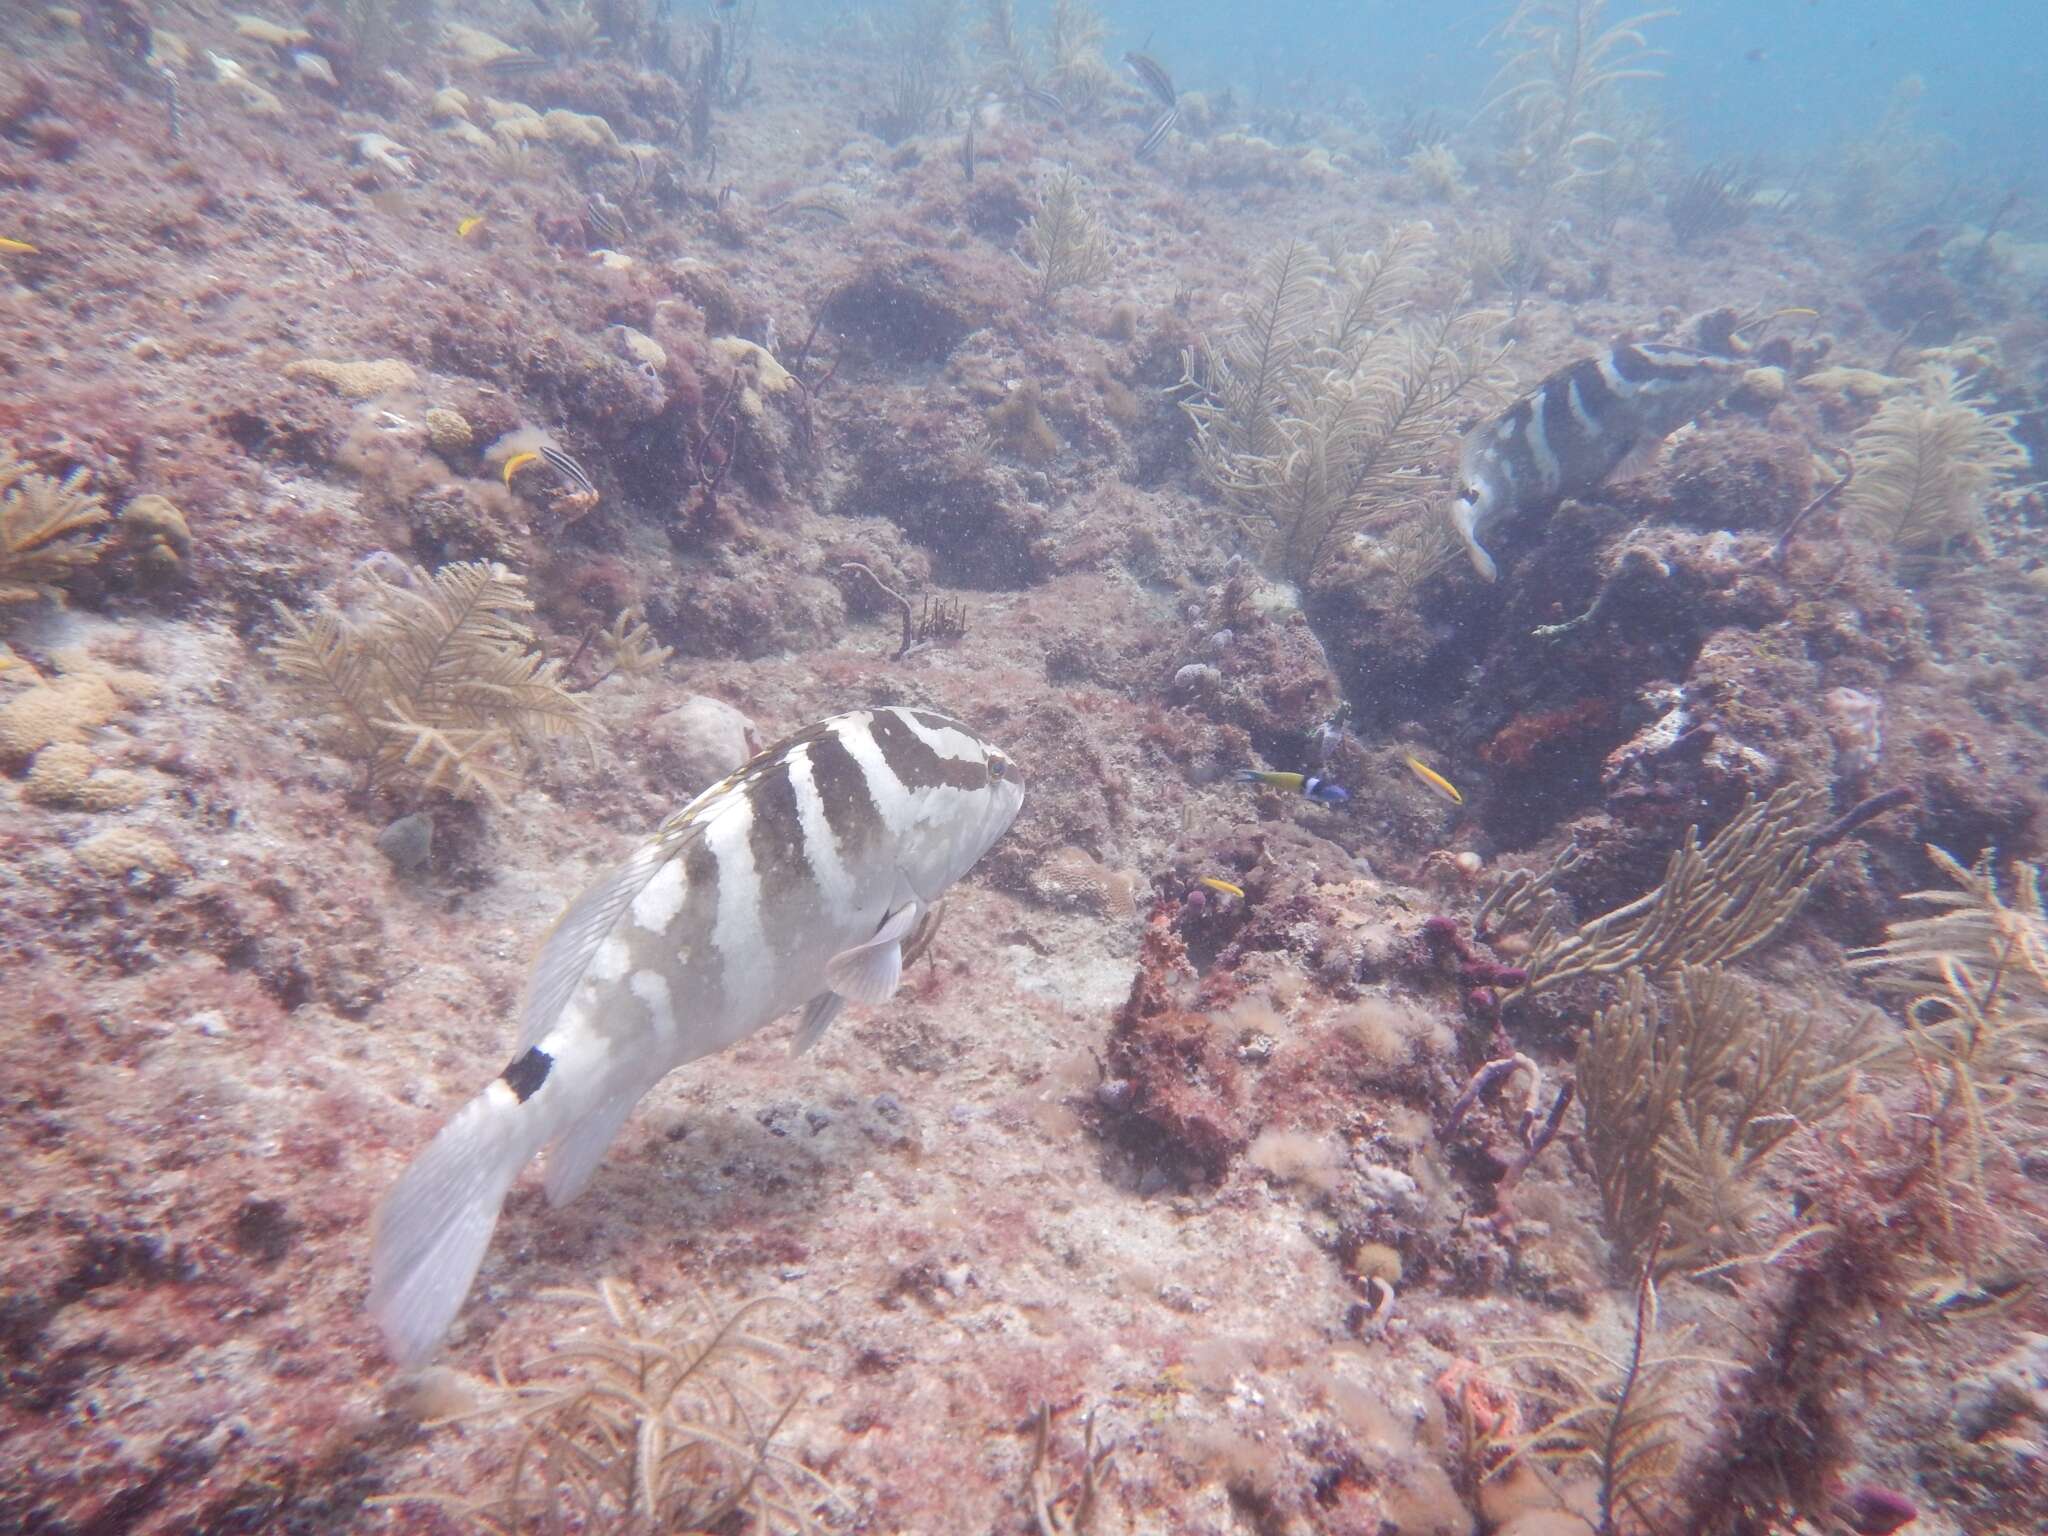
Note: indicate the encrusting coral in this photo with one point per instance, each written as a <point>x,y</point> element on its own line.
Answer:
<point>45,528</point>
<point>435,681</point>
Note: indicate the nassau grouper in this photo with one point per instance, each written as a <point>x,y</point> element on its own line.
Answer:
<point>802,879</point>
<point>1573,430</point>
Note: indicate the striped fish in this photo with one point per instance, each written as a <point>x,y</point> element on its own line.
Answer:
<point>801,880</point>
<point>568,469</point>
<point>1156,134</point>
<point>1574,429</point>
<point>518,62</point>
<point>1044,100</point>
<point>1154,76</point>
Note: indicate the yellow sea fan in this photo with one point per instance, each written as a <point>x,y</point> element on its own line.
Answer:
<point>1926,465</point>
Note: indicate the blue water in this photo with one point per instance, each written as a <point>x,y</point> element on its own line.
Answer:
<point>1827,70</point>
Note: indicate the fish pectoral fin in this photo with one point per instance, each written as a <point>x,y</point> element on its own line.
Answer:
<point>924,935</point>
<point>819,1013</point>
<point>871,972</point>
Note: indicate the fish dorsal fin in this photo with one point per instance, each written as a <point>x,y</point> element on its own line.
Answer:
<point>566,952</point>
<point>871,972</point>
<point>819,1013</point>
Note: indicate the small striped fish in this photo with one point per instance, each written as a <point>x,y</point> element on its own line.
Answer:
<point>1574,429</point>
<point>1156,135</point>
<point>1154,76</point>
<point>801,880</point>
<point>568,469</point>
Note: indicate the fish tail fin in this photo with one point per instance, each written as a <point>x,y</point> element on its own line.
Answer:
<point>573,1160</point>
<point>432,1229</point>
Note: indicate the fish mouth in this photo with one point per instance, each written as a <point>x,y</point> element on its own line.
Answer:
<point>1465,518</point>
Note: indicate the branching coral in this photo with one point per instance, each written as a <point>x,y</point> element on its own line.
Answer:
<point>1067,245</point>
<point>1685,1107</point>
<point>1616,1421</point>
<point>1558,83</point>
<point>1563,62</point>
<point>1926,464</point>
<point>1711,201</point>
<point>1977,977</point>
<point>1319,410</point>
<point>45,528</point>
<point>917,96</point>
<point>1716,903</point>
<point>435,681</point>
<point>1074,38</point>
<point>631,1428</point>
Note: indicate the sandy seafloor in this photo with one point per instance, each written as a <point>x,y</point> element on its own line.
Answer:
<point>228,1020</point>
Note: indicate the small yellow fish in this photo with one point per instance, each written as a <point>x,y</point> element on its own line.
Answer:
<point>1433,779</point>
<point>470,225</point>
<point>17,247</point>
<point>1224,886</point>
<point>519,461</point>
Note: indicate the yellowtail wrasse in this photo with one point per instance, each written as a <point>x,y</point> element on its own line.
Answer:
<point>1222,887</point>
<point>16,247</point>
<point>1432,778</point>
<point>1307,785</point>
<point>469,226</point>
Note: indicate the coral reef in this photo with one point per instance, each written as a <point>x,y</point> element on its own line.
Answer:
<point>1632,1127</point>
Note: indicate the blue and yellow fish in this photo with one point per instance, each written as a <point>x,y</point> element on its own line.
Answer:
<point>1309,785</point>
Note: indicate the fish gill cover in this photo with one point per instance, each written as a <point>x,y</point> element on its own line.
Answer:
<point>1429,1054</point>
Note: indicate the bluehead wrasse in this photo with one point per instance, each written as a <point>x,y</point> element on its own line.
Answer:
<point>470,225</point>
<point>1308,785</point>
<point>1159,131</point>
<point>1223,886</point>
<point>17,247</point>
<point>519,461</point>
<point>1432,778</point>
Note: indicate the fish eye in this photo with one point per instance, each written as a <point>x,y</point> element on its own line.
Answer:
<point>998,766</point>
